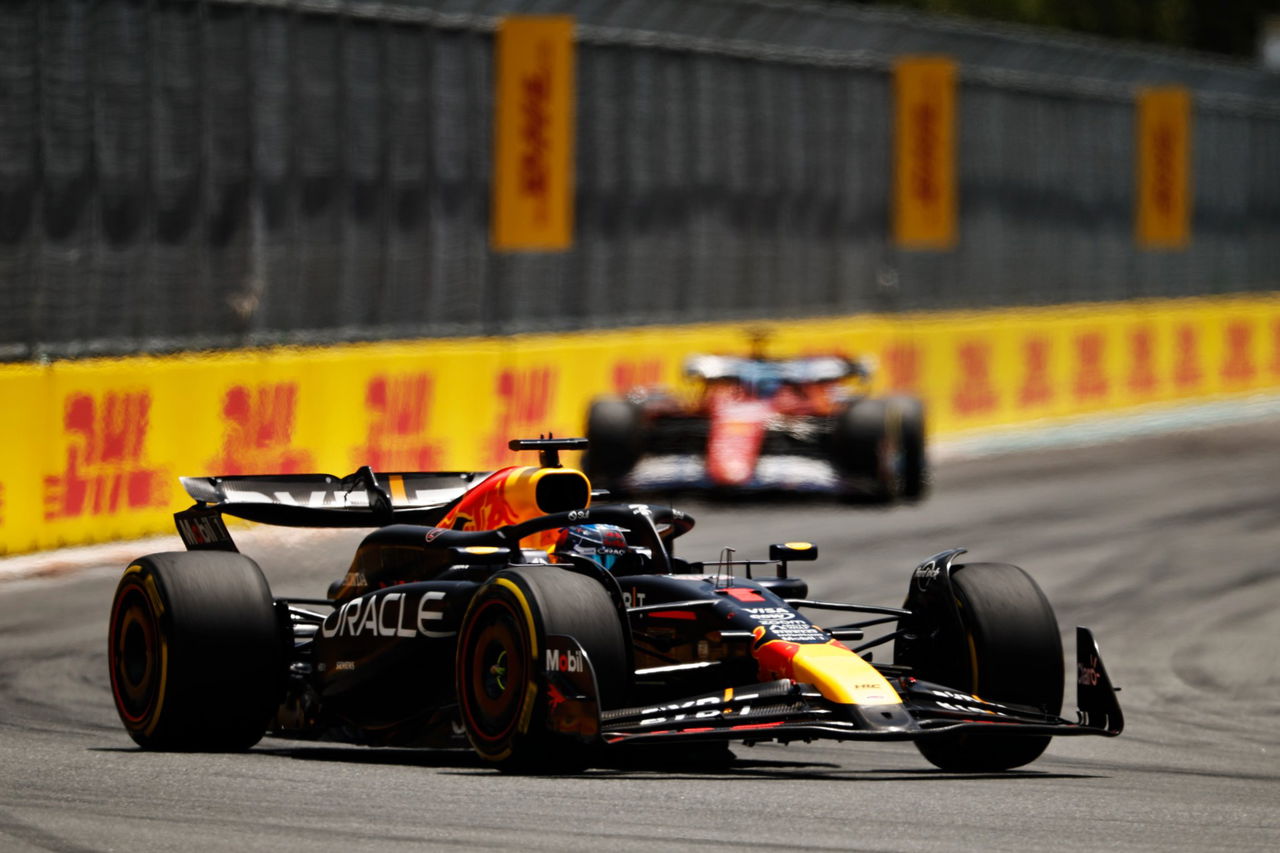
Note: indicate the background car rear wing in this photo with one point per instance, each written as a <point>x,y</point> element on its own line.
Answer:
<point>363,499</point>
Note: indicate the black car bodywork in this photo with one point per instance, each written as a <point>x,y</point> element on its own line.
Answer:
<point>444,637</point>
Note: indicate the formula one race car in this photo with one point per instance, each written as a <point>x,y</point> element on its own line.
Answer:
<point>507,612</point>
<point>762,424</point>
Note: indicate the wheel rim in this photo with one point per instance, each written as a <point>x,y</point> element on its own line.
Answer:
<point>135,656</point>
<point>497,674</point>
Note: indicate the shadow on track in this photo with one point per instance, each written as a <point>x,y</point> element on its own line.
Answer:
<point>625,764</point>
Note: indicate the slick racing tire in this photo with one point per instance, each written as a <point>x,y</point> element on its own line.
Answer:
<point>613,438</point>
<point>912,464</point>
<point>501,679</point>
<point>195,652</point>
<point>866,446</point>
<point>1011,653</point>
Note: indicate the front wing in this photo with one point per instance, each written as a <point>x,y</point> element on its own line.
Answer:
<point>773,472</point>
<point>784,711</point>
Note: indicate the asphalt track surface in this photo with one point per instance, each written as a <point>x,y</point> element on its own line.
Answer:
<point>1167,546</point>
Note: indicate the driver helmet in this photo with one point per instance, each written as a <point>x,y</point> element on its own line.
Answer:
<point>603,543</point>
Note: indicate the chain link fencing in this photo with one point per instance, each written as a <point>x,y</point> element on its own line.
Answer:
<point>208,173</point>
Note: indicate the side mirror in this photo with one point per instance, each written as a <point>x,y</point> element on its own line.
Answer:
<point>788,551</point>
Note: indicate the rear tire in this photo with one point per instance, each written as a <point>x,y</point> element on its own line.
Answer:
<point>614,439</point>
<point>195,653</point>
<point>501,679</point>
<point>1011,654</point>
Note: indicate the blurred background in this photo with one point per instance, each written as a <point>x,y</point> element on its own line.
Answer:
<point>207,207</point>
<point>184,174</point>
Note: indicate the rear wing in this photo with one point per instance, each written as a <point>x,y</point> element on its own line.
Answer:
<point>363,499</point>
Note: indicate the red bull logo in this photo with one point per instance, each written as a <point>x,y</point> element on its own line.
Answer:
<point>106,470</point>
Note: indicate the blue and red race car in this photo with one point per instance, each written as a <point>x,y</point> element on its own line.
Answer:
<point>759,424</point>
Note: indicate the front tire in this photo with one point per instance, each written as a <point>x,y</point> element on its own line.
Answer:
<point>1011,653</point>
<point>195,652</point>
<point>501,679</point>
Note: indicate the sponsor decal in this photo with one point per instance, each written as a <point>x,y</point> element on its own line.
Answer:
<point>976,394</point>
<point>924,209</point>
<point>703,708</point>
<point>1238,365</point>
<point>925,574</point>
<point>554,697</point>
<point>1036,389</point>
<point>901,362</point>
<point>259,431</point>
<point>354,580</point>
<point>1164,168</point>
<point>1088,674</point>
<point>400,407</point>
<point>786,625</point>
<point>636,373</point>
<point>525,400</point>
<point>569,660</point>
<point>106,470</point>
<point>950,700</point>
<point>534,99</point>
<point>1142,372</point>
<point>1275,347</point>
<point>1186,364</point>
<point>632,597</point>
<point>344,666</point>
<point>1091,379</point>
<point>394,614</point>
<point>434,533</point>
<point>201,529</point>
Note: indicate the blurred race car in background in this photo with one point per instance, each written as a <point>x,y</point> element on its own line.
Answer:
<point>762,424</point>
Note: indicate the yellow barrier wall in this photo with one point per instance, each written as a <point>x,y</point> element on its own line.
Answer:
<point>90,450</point>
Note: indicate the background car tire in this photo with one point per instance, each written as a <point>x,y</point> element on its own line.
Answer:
<point>501,679</point>
<point>864,444</point>
<point>614,435</point>
<point>1011,653</point>
<point>195,652</point>
<point>912,464</point>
